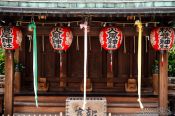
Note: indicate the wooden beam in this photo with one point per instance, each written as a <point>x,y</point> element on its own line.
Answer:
<point>163,82</point>
<point>9,76</point>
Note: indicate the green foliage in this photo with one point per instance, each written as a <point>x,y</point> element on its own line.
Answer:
<point>18,66</point>
<point>171,62</point>
<point>2,61</point>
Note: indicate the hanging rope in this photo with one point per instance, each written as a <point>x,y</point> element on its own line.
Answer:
<point>32,26</point>
<point>139,25</point>
<point>85,61</point>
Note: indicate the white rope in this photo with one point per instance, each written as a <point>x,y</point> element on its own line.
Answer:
<point>85,61</point>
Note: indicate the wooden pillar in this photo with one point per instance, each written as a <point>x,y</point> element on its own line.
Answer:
<point>9,76</point>
<point>163,82</point>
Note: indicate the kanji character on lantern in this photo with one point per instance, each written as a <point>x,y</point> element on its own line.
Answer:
<point>10,37</point>
<point>162,38</point>
<point>61,38</point>
<point>110,38</point>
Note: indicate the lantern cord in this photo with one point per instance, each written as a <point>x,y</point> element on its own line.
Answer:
<point>139,25</point>
<point>85,61</point>
<point>61,66</point>
<point>77,44</point>
<point>32,25</point>
<point>134,45</point>
<point>124,45</point>
<point>111,61</point>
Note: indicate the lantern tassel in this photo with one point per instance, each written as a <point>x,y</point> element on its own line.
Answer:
<point>111,61</point>
<point>162,60</point>
<point>139,25</point>
<point>61,66</point>
<point>85,61</point>
<point>32,25</point>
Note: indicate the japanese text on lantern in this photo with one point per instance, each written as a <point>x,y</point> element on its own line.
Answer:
<point>165,34</point>
<point>57,39</point>
<point>7,37</point>
<point>112,38</point>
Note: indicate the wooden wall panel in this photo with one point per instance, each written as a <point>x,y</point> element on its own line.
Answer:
<point>75,59</point>
<point>95,59</point>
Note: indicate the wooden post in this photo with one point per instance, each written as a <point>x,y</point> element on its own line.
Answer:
<point>163,82</point>
<point>9,76</point>
<point>17,75</point>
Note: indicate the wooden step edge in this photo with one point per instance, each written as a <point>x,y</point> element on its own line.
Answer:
<point>53,104</point>
<point>26,109</point>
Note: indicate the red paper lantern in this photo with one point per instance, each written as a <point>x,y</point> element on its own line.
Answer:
<point>10,37</point>
<point>162,38</point>
<point>61,38</point>
<point>110,38</point>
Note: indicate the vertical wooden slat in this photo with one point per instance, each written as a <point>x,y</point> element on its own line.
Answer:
<point>163,82</point>
<point>9,76</point>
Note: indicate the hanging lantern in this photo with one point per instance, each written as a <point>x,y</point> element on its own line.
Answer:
<point>110,38</point>
<point>10,37</point>
<point>61,38</point>
<point>162,38</point>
